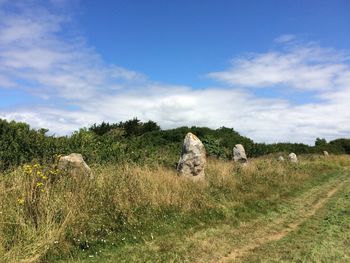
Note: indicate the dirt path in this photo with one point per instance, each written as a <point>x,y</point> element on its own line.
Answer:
<point>269,234</point>
<point>228,242</point>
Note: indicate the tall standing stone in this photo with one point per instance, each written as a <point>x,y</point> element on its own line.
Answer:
<point>293,157</point>
<point>193,158</point>
<point>325,153</point>
<point>239,154</point>
<point>74,165</point>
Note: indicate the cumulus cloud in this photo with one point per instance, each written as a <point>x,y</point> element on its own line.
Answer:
<point>77,88</point>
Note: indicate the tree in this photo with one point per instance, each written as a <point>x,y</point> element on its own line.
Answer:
<point>320,142</point>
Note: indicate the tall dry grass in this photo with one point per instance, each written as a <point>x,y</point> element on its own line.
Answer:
<point>44,215</point>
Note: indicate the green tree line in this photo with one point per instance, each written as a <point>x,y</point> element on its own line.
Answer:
<point>136,141</point>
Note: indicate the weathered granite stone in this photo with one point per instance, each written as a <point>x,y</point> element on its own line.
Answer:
<point>74,165</point>
<point>193,158</point>
<point>325,153</point>
<point>239,154</point>
<point>281,158</point>
<point>293,157</point>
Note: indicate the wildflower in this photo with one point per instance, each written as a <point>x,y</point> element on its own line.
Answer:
<point>39,184</point>
<point>44,177</point>
<point>28,169</point>
<point>20,201</point>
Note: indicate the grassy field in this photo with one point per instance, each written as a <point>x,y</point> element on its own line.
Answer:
<point>127,213</point>
<point>324,237</point>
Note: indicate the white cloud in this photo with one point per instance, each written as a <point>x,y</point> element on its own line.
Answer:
<point>285,38</point>
<point>307,67</point>
<point>33,49</point>
<point>38,57</point>
<point>261,119</point>
<point>5,82</point>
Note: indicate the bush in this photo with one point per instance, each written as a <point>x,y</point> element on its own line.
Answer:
<point>136,142</point>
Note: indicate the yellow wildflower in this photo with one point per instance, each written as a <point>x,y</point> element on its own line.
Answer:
<point>39,184</point>
<point>27,169</point>
<point>20,201</point>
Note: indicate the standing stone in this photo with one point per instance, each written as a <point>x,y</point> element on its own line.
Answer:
<point>325,153</point>
<point>193,158</point>
<point>239,154</point>
<point>74,165</point>
<point>281,158</point>
<point>293,157</point>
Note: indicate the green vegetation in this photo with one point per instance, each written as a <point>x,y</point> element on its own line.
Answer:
<point>46,216</point>
<point>136,142</point>
<point>135,207</point>
<point>325,237</point>
<point>263,227</point>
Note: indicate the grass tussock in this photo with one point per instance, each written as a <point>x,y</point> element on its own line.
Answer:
<point>45,216</point>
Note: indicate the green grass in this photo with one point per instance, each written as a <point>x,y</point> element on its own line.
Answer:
<point>211,240</point>
<point>185,240</point>
<point>128,213</point>
<point>323,238</point>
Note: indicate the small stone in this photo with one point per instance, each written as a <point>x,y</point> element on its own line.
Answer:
<point>193,158</point>
<point>293,157</point>
<point>239,154</point>
<point>281,158</point>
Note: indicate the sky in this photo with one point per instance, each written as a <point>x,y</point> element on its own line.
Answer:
<point>275,71</point>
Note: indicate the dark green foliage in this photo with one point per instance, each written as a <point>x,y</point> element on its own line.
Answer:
<point>132,127</point>
<point>340,145</point>
<point>103,128</point>
<point>19,144</point>
<point>138,142</point>
<point>259,149</point>
<point>320,142</point>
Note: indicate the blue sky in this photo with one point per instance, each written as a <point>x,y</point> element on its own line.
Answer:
<point>273,70</point>
<point>179,41</point>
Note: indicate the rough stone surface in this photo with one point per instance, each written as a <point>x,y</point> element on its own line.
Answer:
<point>281,158</point>
<point>74,165</point>
<point>193,158</point>
<point>325,153</point>
<point>293,157</point>
<point>239,154</point>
